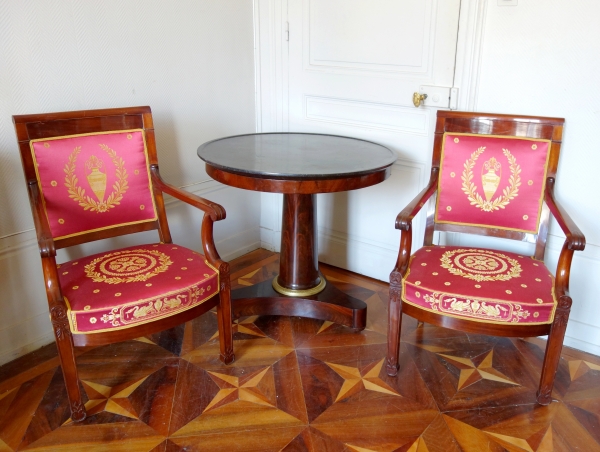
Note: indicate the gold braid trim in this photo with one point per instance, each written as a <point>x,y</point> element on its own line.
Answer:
<point>509,193</point>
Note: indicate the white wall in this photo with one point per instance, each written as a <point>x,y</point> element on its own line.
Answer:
<point>541,58</point>
<point>191,61</point>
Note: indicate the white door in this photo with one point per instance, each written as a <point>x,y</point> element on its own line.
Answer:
<point>353,68</point>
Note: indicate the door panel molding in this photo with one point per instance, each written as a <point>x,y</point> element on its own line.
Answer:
<point>272,60</point>
<point>471,35</point>
<point>395,118</point>
<point>345,54</point>
<point>271,65</point>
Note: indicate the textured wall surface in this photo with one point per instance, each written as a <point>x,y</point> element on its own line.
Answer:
<point>191,61</point>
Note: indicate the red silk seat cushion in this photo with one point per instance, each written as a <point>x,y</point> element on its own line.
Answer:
<point>480,285</point>
<point>135,285</point>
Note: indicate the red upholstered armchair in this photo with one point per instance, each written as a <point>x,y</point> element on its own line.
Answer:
<point>491,175</point>
<point>93,175</point>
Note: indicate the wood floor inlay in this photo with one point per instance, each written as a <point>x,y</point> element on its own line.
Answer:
<point>304,385</point>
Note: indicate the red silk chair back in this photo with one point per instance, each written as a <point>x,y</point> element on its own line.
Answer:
<point>492,175</point>
<point>94,181</point>
<point>93,172</point>
<point>492,181</point>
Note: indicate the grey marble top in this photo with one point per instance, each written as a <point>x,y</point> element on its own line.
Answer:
<point>296,155</point>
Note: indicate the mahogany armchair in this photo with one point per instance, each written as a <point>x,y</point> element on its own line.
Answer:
<point>93,175</point>
<point>492,175</point>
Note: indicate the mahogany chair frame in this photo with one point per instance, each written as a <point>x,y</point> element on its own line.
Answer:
<point>490,124</point>
<point>47,125</point>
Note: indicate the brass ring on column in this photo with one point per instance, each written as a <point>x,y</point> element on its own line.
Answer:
<point>299,292</point>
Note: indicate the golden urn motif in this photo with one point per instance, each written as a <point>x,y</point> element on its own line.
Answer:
<point>490,180</point>
<point>95,177</point>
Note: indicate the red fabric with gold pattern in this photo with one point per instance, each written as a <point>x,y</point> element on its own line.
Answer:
<point>492,181</point>
<point>481,285</point>
<point>135,285</point>
<point>94,181</point>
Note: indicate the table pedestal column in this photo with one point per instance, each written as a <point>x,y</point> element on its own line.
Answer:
<point>300,289</point>
<point>298,269</point>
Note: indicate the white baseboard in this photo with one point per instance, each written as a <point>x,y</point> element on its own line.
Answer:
<point>25,336</point>
<point>8,356</point>
<point>369,258</point>
<point>235,246</point>
<point>270,240</point>
<point>583,337</point>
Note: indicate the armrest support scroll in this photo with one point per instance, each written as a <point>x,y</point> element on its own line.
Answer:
<point>216,211</point>
<point>404,218</point>
<point>44,236</point>
<point>575,238</point>
<point>404,221</point>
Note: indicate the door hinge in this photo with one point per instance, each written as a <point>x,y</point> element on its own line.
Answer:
<point>287,31</point>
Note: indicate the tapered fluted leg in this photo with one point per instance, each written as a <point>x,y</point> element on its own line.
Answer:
<point>394,324</point>
<point>225,319</point>
<point>66,354</point>
<point>553,350</point>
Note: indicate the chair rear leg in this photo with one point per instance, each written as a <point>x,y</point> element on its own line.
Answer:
<point>553,350</point>
<point>394,324</point>
<point>66,354</point>
<point>224,315</point>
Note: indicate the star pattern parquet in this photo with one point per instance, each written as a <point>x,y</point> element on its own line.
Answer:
<point>303,385</point>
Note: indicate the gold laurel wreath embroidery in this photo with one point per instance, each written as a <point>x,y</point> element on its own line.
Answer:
<point>513,272</point>
<point>90,269</point>
<point>78,194</point>
<point>509,193</point>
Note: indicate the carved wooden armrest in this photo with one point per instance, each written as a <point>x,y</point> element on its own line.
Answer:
<point>404,218</point>
<point>210,250</point>
<point>213,212</point>
<point>216,211</point>
<point>575,241</point>
<point>42,227</point>
<point>404,223</point>
<point>575,237</point>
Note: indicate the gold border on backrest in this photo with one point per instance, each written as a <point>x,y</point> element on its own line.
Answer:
<point>39,181</point>
<point>510,137</point>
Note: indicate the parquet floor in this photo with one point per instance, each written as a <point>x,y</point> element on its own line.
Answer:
<point>303,385</point>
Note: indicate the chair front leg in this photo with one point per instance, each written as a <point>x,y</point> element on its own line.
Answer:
<point>224,315</point>
<point>66,354</point>
<point>394,323</point>
<point>553,350</point>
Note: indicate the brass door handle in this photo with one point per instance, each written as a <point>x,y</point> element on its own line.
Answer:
<point>418,99</point>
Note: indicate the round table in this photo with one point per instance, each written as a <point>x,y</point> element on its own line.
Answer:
<point>299,165</point>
